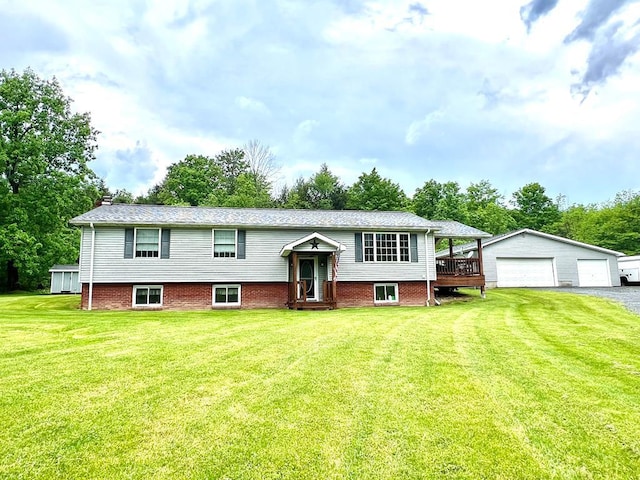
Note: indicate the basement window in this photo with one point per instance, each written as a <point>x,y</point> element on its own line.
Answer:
<point>226,295</point>
<point>147,296</point>
<point>385,293</point>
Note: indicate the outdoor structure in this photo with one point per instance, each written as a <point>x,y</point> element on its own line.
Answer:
<point>150,256</point>
<point>629,270</point>
<point>65,279</point>
<point>528,258</point>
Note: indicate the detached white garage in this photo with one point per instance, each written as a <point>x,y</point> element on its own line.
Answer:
<point>528,258</point>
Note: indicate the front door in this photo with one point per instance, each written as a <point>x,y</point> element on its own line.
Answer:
<point>307,272</point>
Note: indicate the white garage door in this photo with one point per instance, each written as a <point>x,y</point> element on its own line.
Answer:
<point>594,273</point>
<point>525,272</point>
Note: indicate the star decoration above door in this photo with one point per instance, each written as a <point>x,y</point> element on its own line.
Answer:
<point>314,244</point>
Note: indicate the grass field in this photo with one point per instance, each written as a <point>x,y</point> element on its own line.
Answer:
<point>524,384</point>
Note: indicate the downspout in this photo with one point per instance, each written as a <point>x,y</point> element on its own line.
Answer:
<point>426,247</point>
<point>92,254</point>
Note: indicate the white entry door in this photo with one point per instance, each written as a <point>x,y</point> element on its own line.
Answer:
<point>308,271</point>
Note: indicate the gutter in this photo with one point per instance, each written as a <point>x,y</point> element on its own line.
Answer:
<point>426,245</point>
<point>92,255</point>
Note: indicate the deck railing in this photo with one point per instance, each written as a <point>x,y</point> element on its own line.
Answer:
<point>467,267</point>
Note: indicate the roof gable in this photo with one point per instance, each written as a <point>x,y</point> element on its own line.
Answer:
<point>313,242</point>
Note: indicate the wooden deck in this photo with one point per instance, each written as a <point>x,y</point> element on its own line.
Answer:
<point>459,272</point>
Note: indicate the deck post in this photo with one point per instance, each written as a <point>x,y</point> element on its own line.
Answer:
<point>432,295</point>
<point>479,241</point>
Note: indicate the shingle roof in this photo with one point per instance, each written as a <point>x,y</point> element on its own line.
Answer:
<point>64,268</point>
<point>451,228</point>
<point>124,214</point>
<point>468,247</point>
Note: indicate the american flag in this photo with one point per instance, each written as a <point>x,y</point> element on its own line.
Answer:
<point>336,262</point>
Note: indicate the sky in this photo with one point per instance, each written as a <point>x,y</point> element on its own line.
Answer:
<point>509,91</point>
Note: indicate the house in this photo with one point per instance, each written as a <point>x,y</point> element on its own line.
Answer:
<point>528,258</point>
<point>65,279</point>
<point>151,256</point>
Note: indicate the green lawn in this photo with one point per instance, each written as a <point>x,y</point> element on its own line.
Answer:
<point>524,384</point>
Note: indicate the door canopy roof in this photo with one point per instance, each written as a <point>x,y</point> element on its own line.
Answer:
<point>314,242</point>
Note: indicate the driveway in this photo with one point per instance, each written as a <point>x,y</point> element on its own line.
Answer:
<point>628,296</point>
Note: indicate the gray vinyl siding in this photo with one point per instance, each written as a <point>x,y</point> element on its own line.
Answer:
<point>565,257</point>
<point>191,259</point>
<point>350,270</point>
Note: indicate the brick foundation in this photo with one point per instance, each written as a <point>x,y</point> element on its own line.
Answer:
<point>360,294</point>
<point>265,295</point>
<point>185,296</point>
<point>198,296</point>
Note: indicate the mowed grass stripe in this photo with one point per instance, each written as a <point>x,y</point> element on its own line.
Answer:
<point>571,396</point>
<point>521,385</point>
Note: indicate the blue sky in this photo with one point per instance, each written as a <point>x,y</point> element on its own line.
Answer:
<point>511,91</point>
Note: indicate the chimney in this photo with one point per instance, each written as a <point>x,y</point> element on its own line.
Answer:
<point>106,200</point>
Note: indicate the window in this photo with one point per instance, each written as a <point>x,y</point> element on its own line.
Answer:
<point>386,247</point>
<point>226,294</point>
<point>385,292</point>
<point>224,243</point>
<point>147,242</point>
<point>368,247</point>
<point>147,296</point>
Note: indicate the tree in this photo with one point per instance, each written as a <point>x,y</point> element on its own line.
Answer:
<point>440,201</point>
<point>323,191</point>
<point>486,210</point>
<point>372,192</point>
<point>191,181</point>
<point>534,209</point>
<point>451,205</point>
<point>45,180</point>
<point>426,198</point>
<point>222,180</point>
<point>261,162</point>
<point>248,192</point>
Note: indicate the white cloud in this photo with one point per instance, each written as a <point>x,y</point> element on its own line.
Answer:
<point>304,129</point>
<point>251,104</point>
<point>420,127</point>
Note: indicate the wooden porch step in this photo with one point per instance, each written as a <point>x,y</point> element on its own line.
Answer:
<point>312,306</point>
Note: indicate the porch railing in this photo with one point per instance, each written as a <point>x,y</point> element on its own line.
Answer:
<point>467,267</point>
<point>329,291</point>
<point>298,293</point>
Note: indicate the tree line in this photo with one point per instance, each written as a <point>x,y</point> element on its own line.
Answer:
<point>45,180</point>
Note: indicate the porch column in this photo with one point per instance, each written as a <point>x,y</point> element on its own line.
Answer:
<point>294,277</point>
<point>479,242</point>
<point>451,248</point>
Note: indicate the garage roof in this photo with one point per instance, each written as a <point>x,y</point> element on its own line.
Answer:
<point>470,247</point>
